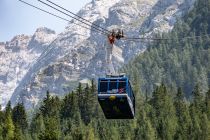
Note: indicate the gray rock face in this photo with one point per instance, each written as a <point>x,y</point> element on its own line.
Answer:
<point>78,53</point>
<point>17,56</point>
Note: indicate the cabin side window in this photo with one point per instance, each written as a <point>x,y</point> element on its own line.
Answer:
<point>122,86</point>
<point>103,85</point>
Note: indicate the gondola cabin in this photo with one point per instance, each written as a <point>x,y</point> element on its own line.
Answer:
<point>116,97</point>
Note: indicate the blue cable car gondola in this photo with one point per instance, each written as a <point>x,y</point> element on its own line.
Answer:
<point>116,97</point>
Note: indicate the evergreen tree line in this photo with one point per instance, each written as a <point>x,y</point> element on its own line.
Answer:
<point>78,116</point>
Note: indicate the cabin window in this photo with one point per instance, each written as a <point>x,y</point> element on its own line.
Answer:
<point>113,85</point>
<point>103,85</point>
<point>122,86</point>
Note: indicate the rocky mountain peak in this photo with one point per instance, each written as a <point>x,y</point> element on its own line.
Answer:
<point>19,54</point>
<point>45,30</point>
<point>18,42</point>
<point>43,35</point>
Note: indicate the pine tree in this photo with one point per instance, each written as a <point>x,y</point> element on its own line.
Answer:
<point>37,126</point>
<point>195,132</point>
<point>93,86</point>
<point>69,106</point>
<point>88,106</point>
<point>184,119</point>
<point>1,132</point>
<point>50,106</point>
<point>204,127</point>
<point>19,117</point>
<point>207,104</point>
<point>1,123</point>
<point>8,130</point>
<point>77,127</point>
<point>8,109</point>
<point>198,102</point>
<point>80,97</point>
<point>18,133</point>
<point>165,119</point>
<point>52,129</point>
<point>50,110</point>
<point>45,108</point>
<point>89,133</point>
<point>144,130</point>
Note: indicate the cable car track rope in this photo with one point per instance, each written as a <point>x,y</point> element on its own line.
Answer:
<point>79,17</point>
<point>56,15</point>
<point>99,29</point>
<point>72,17</point>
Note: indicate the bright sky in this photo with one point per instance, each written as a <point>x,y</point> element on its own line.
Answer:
<point>17,18</point>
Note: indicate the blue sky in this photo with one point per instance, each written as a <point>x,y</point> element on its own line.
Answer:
<point>18,18</point>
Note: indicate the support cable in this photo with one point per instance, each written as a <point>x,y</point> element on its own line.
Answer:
<point>72,17</point>
<point>59,16</point>
<point>79,17</point>
<point>95,28</point>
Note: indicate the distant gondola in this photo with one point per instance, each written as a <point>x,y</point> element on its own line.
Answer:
<point>116,97</point>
